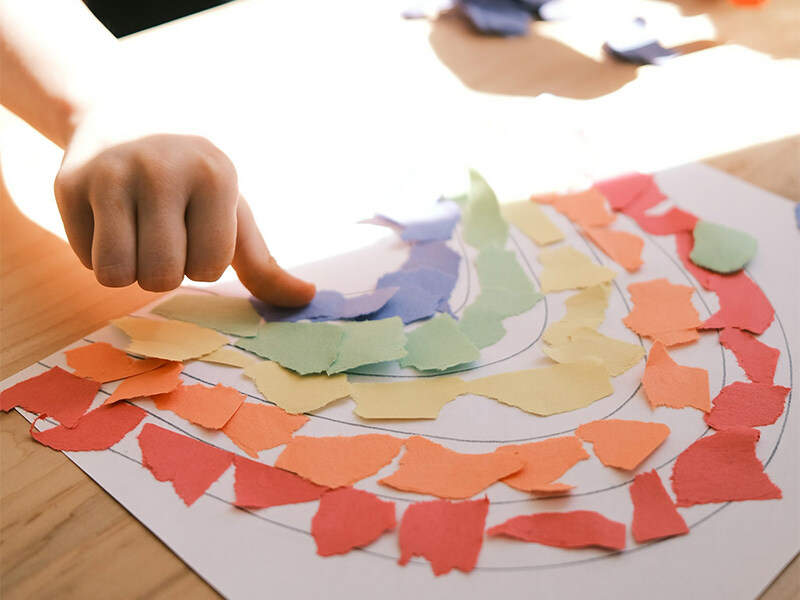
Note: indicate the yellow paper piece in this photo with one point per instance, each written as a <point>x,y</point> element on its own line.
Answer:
<point>295,393</point>
<point>223,313</point>
<point>530,219</point>
<point>617,356</point>
<point>230,357</point>
<point>565,268</point>
<point>586,309</point>
<point>409,399</point>
<point>549,390</point>
<point>172,340</point>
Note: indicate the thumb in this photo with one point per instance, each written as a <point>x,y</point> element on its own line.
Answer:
<point>259,272</point>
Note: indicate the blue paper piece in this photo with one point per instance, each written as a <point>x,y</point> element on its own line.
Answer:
<point>797,213</point>
<point>635,44</point>
<point>436,255</point>
<point>410,303</point>
<point>434,281</point>
<point>498,17</point>
<point>328,305</point>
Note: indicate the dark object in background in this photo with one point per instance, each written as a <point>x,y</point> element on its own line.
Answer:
<point>124,17</point>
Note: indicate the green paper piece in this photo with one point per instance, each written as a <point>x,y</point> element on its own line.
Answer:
<point>227,314</point>
<point>721,249</point>
<point>499,268</point>
<point>302,347</point>
<point>482,326</point>
<point>369,342</point>
<point>566,268</point>
<point>482,222</point>
<point>438,344</point>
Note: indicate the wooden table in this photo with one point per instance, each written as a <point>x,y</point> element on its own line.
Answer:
<point>352,70</point>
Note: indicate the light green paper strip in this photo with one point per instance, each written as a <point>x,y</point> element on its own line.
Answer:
<point>499,268</point>
<point>482,326</point>
<point>302,347</point>
<point>438,344</point>
<point>227,314</point>
<point>482,222</point>
<point>369,342</point>
<point>721,249</point>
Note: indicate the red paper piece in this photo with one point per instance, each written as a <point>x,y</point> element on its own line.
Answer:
<point>756,358</point>
<point>673,221</point>
<point>623,190</point>
<point>96,430</point>
<point>654,514</point>
<point>744,404</point>
<point>722,468</point>
<point>209,407</point>
<point>103,362</point>
<point>55,393</point>
<point>684,243</point>
<point>448,534</point>
<point>158,381</point>
<point>191,465</point>
<point>349,518</point>
<point>576,529</point>
<point>256,427</point>
<point>742,304</point>
<point>259,486</point>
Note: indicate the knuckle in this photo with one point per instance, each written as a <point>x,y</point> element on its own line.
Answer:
<point>116,274</point>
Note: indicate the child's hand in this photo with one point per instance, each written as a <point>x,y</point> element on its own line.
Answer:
<point>155,209</point>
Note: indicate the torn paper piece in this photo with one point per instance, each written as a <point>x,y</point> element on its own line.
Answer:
<point>229,357</point>
<point>482,222</point>
<point>427,223</point>
<point>411,303</point>
<point>191,465</point>
<point>438,344</point>
<point>448,534</point>
<point>327,305</point>
<point>617,356</point>
<point>742,304</point>
<point>407,399</point>
<point>55,393</point>
<point>745,404</point>
<point>620,246</point>
<point>436,255</point>
<point>158,381</point>
<point>545,462</point>
<point>624,190</point>
<point>349,518</point>
<point>226,314</point>
<point>722,468</point>
<point>549,390</point>
<point>757,360</point>
<point>531,220</point>
<point>674,220</point>
<point>256,427</point>
<point>481,324</point>
<point>429,468</point>
<point>498,17</point>
<point>96,430</point>
<point>258,485</point>
<point>103,362</point>
<point>294,393</point>
<point>302,347</point>
<point>209,407</point>
<point>575,529</point>
<point>586,208</point>
<point>499,269</point>
<point>654,514</point>
<point>434,281</point>
<point>586,309</point>
<point>666,383</point>
<point>623,444</point>
<point>663,311</point>
<point>368,343</point>
<point>565,269</point>
<point>721,249</point>
<point>338,461</point>
<point>170,340</point>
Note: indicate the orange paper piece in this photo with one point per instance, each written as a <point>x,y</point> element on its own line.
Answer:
<point>171,340</point>
<point>663,311</point>
<point>756,358</point>
<point>55,393</point>
<point>256,427</point>
<point>96,430</point>
<point>666,383</point>
<point>348,519</point>
<point>209,407</point>
<point>586,208</point>
<point>623,444</point>
<point>744,404</point>
<point>722,468</point>
<point>620,246</point>
<point>448,534</point>
<point>260,486</point>
<point>428,468</point>
<point>654,514</point>
<point>338,461</point>
<point>191,465</point>
<point>576,529</point>
<point>151,383</point>
<point>103,362</point>
<point>545,461</point>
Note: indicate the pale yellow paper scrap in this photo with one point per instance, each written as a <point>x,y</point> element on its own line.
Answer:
<point>587,309</point>
<point>171,340</point>
<point>230,357</point>
<point>618,356</point>
<point>227,314</point>
<point>412,399</point>
<point>549,390</point>
<point>531,220</point>
<point>566,268</point>
<point>297,393</point>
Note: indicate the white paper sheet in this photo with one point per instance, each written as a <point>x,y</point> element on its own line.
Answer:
<point>733,550</point>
